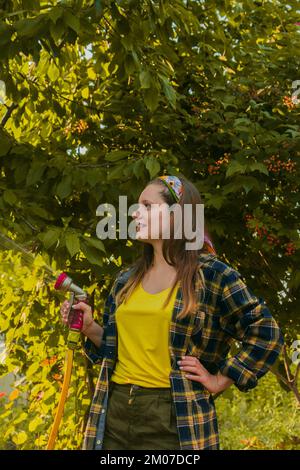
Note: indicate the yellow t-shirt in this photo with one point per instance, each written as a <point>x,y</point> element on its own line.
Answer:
<point>143,339</point>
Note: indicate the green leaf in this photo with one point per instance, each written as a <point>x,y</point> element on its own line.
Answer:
<point>95,242</point>
<point>151,98</point>
<point>169,92</point>
<point>4,324</point>
<point>35,173</point>
<point>85,92</point>
<point>216,201</point>
<point>116,155</point>
<point>53,71</point>
<point>249,183</point>
<point>46,129</point>
<point>55,13</point>
<point>260,167</point>
<point>5,144</point>
<point>138,168</point>
<point>116,173</point>
<point>64,188</point>
<point>49,393</point>
<point>145,79</point>
<point>72,243</point>
<point>91,253</point>
<point>50,237</point>
<point>29,27</point>
<point>242,123</point>
<point>32,369</point>
<point>152,165</point>
<point>40,212</point>
<point>129,64</point>
<point>20,438</point>
<point>6,32</point>
<point>35,423</point>
<point>91,73</point>
<point>234,167</point>
<point>57,30</point>
<point>72,21</point>
<point>10,197</point>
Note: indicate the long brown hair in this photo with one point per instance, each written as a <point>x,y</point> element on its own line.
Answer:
<point>185,261</point>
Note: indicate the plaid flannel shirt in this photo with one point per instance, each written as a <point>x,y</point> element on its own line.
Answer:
<point>227,311</point>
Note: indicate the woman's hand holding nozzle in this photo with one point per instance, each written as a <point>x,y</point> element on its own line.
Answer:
<point>88,319</point>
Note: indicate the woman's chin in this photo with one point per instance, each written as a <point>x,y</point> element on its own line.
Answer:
<point>143,236</point>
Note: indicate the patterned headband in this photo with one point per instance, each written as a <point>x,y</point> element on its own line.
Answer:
<point>174,185</point>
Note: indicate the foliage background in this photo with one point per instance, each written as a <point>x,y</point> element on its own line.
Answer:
<point>100,97</point>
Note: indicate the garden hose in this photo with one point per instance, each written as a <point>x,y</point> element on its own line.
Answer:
<point>63,396</point>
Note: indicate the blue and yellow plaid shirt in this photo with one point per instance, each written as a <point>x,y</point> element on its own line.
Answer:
<point>227,311</point>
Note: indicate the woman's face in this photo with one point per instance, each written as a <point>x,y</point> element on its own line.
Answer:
<point>152,217</point>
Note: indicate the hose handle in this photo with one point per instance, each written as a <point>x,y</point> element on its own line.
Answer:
<point>75,322</point>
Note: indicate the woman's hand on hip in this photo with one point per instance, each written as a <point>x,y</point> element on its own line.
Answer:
<point>197,372</point>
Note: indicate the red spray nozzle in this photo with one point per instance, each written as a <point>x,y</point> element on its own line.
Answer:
<point>60,280</point>
<point>65,283</point>
<point>75,317</point>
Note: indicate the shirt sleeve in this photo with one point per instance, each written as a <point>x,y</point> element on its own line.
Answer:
<point>94,353</point>
<point>246,318</point>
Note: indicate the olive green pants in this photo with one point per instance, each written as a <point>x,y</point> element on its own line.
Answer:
<point>140,418</point>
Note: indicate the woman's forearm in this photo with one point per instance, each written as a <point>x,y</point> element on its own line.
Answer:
<point>223,381</point>
<point>94,332</point>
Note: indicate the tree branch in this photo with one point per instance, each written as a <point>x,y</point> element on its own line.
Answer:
<point>8,114</point>
<point>278,282</point>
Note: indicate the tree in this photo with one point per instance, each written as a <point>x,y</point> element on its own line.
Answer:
<point>108,93</point>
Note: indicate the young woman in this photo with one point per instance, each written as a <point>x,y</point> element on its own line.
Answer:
<point>168,324</point>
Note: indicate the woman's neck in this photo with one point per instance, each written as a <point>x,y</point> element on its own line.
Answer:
<point>158,261</point>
